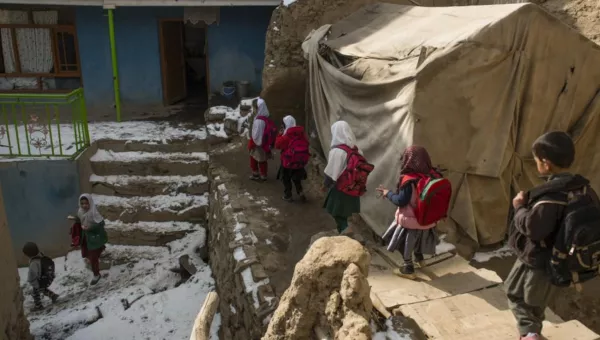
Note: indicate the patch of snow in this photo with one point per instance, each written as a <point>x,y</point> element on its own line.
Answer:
<point>443,246</point>
<point>239,254</point>
<point>152,227</point>
<point>276,29</point>
<point>233,310</point>
<point>176,203</point>
<point>215,326</point>
<point>133,156</point>
<point>217,129</point>
<point>390,333</point>
<point>219,110</point>
<point>269,242</point>
<point>157,309</point>
<point>173,182</point>
<point>251,286</point>
<point>288,2</point>
<point>481,257</point>
<point>271,65</point>
<point>142,131</point>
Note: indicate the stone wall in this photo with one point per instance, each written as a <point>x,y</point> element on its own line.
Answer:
<point>247,298</point>
<point>13,324</point>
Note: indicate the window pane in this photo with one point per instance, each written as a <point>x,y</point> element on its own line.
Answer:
<point>8,58</point>
<point>35,50</point>
<point>66,51</point>
<point>61,83</point>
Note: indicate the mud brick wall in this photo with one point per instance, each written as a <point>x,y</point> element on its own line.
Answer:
<point>13,323</point>
<point>247,298</point>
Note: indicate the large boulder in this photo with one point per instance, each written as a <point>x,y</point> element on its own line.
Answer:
<point>329,291</point>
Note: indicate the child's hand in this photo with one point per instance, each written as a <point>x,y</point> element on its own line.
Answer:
<point>519,200</point>
<point>84,227</point>
<point>382,190</point>
<point>71,217</point>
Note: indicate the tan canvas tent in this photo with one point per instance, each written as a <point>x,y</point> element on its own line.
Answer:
<point>475,85</point>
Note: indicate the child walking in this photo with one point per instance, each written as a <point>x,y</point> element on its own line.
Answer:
<point>94,237</point>
<point>345,176</point>
<point>539,230</point>
<point>294,146</point>
<point>406,234</point>
<point>40,275</point>
<point>261,141</point>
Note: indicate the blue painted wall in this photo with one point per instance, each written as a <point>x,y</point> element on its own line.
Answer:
<point>236,46</point>
<point>138,54</point>
<point>38,196</point>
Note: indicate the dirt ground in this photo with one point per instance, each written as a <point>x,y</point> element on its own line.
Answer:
<point>291,229</point>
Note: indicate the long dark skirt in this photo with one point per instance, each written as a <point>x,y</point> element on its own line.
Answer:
<point>341,207</point>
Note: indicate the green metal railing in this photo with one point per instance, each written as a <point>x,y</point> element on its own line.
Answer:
<point>34,125</point>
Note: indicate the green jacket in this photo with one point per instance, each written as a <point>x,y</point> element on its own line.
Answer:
<point>95,236</point>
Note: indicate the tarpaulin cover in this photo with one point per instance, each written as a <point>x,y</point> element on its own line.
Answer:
<point>475,85</point>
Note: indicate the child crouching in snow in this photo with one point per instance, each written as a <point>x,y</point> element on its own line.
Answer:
<point>40,275</point>
<point>261,142</point>
<point>407,234</point>
<point>294,146</point>
<point>94,237</point>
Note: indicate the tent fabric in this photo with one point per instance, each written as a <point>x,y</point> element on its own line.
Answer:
<point>474,85</point>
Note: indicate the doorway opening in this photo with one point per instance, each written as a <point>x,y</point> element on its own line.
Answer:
<point>184,64</point>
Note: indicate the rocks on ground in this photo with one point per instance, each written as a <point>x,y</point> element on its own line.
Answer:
<point>329,291</point>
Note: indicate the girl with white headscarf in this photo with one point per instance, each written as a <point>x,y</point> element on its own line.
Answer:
<point>262,138</point>
<point>338,204</point>
<point>94,237</point>
<point>294,146</point>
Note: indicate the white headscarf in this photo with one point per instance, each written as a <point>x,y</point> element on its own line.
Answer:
<point>341,133</point>
<point>90,216</point>
<point>289,122</point>
<point>258,126</point>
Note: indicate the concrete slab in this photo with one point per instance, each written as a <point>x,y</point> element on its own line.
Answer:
<point>128,186</point>
<point>106,163</point>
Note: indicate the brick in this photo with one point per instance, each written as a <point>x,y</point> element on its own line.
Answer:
<point>258,272</point>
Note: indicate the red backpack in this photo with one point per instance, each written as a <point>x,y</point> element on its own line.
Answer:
<point>433,196</point>
<point>353,180</point>
<point>297,154</point>
<point>270,133</point>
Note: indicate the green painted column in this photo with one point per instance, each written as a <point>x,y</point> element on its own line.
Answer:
<point>113,55</point>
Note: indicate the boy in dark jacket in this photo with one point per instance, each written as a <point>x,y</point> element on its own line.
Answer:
<point>533,229</point>
<point>35,275</point>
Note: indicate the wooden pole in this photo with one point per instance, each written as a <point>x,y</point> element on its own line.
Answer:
<point>201,330</point>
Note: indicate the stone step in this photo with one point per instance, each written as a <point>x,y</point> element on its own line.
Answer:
<point>178,145</point>
<point>161,208</point>
<point>115,254</point>
<point>106,163</point>
<point>128,186</point>
<point>147,233</point>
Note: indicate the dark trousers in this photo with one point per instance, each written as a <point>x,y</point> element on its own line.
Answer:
<point>93,256</point>
<point>529,292</point>
<point>37,295</point>
<point>293,177</point>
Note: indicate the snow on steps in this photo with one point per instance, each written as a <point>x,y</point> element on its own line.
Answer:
<point>147,233</point>
<point>148,185</point>
<point>161,208</point>
<point>105,163</point>
<point>178,145</point>
<point>115,255</point>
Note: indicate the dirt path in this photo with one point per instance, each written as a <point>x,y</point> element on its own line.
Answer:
<point>288,232</point>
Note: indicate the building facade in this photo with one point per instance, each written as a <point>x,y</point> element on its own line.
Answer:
<point>132,56</point>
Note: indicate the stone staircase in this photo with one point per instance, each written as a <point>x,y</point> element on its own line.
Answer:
<point>149,194</point>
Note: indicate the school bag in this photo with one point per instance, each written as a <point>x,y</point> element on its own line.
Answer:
<point>297,154</point>
<point>576,252</point>
<point>270,133</point>
<point>433,196</point>
<point>48,274</point>
<point>353,180</point>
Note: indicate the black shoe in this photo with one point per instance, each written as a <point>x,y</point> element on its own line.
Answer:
<point>54,298</point>
<point>37,308</point>
<point>287,198</point>
<point>95,280</point>
<point>407,271</point>
<point>255,177</point>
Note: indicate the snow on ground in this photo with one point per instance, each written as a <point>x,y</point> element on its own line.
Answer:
<point>390,333</point>
<point>150,132</point>
<point>151,227</point>
<point>136,156</point>
<point>158,308</point>
<point>217,130</point>
<point>481,257</point>
<point>443,246</point>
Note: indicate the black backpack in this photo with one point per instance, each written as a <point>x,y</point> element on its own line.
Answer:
<point>47,276</point>
<point>576,252</point>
